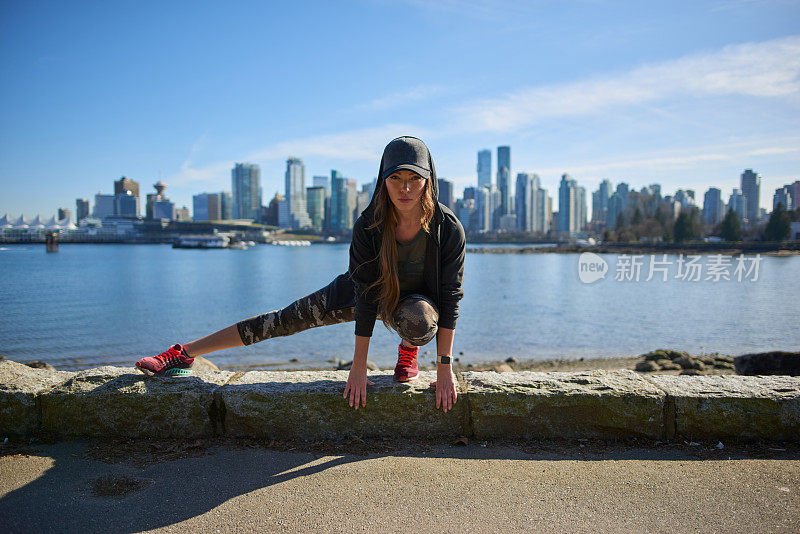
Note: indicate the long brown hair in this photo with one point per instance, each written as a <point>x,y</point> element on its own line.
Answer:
<point>386,218</point>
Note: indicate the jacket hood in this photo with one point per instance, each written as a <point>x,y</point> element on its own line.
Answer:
<point>418,144</point>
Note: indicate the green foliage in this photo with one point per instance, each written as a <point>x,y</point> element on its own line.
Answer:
<point>681,230</point>
<point>687,226</point>
<point>661,217</point>
<point>607,236</point>
<point>625,236</point>
<point>779,225</point>
<point>620,222</point>
<point>731,229</point>
<point>638,218</point>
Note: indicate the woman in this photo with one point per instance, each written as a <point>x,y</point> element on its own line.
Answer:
<point>406,268</point>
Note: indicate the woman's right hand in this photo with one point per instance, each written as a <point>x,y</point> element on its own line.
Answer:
<point>357,383</point>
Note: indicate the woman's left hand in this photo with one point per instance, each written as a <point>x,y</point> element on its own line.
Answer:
<point>445,383</point>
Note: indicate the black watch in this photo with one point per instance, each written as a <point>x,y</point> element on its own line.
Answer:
<point>444,358</point>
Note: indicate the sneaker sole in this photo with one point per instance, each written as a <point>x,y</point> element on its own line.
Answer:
<point>147,372</point>
<point>169,372</point>
<point>407,379</point>
<point>178,372</point>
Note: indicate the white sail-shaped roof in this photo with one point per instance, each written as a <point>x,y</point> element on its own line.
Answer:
<point>21,222</point>
<point>52,224</point>
<point>66,223</point>
<point>5,222</point>
<point>37,222</point>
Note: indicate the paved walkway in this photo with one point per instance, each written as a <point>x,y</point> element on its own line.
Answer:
<point>538,486</point>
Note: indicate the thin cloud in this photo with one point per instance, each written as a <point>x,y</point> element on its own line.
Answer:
<point>402,98</point>
<point>680,161</point>
<point>365,144</point>
<point>769,69</point>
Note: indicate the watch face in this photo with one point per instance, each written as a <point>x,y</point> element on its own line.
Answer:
<point>445,359</point>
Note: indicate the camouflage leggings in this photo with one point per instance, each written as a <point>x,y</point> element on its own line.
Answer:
<point>415,319</point>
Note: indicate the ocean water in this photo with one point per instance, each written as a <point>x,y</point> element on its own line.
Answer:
<point>112,304</point>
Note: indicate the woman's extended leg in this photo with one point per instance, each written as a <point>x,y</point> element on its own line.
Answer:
<point>302,314</point>
<point>227,338</point>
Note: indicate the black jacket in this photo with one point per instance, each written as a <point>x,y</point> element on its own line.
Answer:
<point>443,274</point>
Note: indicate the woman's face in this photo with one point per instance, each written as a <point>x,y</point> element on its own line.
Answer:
<point>405,189</point>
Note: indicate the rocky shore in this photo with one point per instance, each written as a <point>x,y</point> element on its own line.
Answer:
<point>660,361</point>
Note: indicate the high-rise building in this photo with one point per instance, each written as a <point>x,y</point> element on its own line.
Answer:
<point>154,197</point>
<point>343,202</point>
<point>81,208</point>
<point>495,207</point>
<point>794,193</point>
<point>103,206</point>
<point>571,206</point>
<point>126,205</point>
<point>207,207</point>
<point>782,196</point>
<point>600,202</point>
<point>527,191</point>
<point>446,192</point>
<point>465,212</point>
<point>181,214</point>
<point>273,210</point>
<point>226,205</point>
<point>64,213</point>
<point>582,213</point>
<point>126,186</point>
<point>566,204</point>
<point>713,206</point>
<point>164,209</point>
<point>484,167</point>
<point>482,218</point>
<point>504,178</point>
<point>362,201</point>
<point>246,191</point>
<point>369,189</point>
<point>751,189</point>
<point>323,182</point>
<point>738,203</point>
<point>684,197</point>
<point>296,193</point>
<point>315,203</point>
<point>543,215</point>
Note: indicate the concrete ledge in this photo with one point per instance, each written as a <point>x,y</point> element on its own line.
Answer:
<point>527,404</point>
<point>114,401</point>
<point>118,401</point>
<point>309,405</point>
<point>20,387</point>
<point>719,406</point>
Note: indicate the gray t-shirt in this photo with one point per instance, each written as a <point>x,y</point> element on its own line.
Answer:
<point>411,263</point>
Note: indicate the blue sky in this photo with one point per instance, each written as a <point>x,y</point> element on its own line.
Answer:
<point>686,94</point>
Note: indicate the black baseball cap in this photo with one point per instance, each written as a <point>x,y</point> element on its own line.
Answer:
<point>406,153</point>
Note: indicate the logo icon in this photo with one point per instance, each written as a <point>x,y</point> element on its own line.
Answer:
<point>591,267</point>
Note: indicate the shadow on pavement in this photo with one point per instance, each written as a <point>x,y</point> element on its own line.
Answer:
<point>65,487</point>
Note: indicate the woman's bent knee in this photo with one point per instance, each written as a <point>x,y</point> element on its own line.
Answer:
<point>416,320</point>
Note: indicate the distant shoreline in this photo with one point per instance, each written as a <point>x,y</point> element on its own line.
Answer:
<point>777,249</point>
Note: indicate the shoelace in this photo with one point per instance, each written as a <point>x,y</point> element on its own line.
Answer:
<point>407,356</point>
<point>169,356</point>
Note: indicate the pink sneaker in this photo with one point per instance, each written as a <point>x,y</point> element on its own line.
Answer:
<point>406,368</point>
<point>171,361</point>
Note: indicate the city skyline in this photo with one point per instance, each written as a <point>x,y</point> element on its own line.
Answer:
<point>594,90</point>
